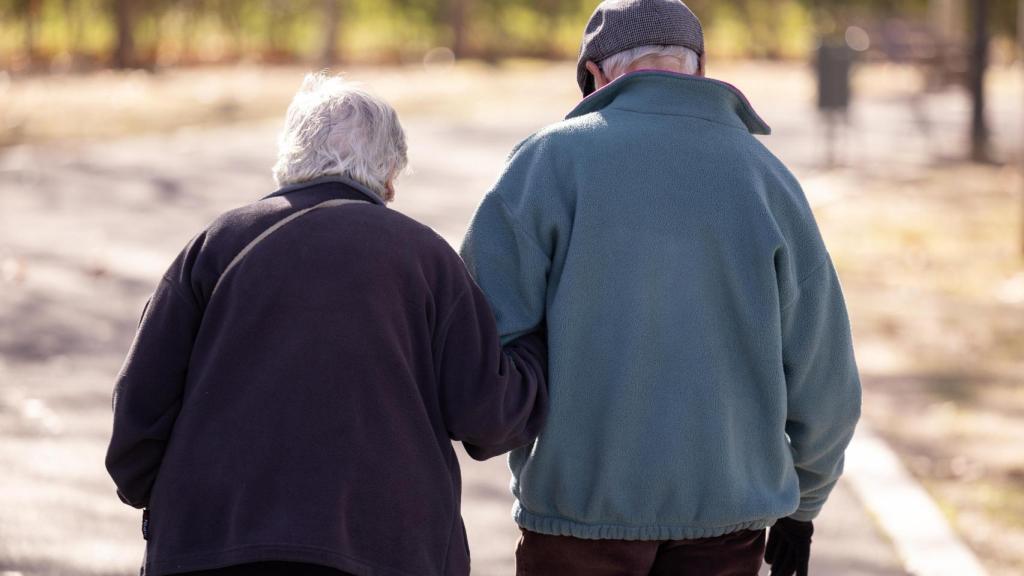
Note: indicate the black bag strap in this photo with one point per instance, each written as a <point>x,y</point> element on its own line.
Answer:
<point>277,226</point>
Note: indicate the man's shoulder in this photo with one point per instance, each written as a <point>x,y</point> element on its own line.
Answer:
<point>565,133</point>
<point>552,150</point>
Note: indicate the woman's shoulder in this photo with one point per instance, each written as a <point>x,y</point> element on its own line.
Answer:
<point>426,242</point>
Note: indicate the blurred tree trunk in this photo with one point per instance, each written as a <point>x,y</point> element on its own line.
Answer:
<point>457,23</point>
<point>124,50</point>
<point>332,17</point>
<point>274,41</point>
<point>551,10</point>
<point>1020,151</point>
<point>72,25</point>
<point>228,15</point>
<point>190,12</point>
<point>764,23</point>
<point>31,11</point>
<point>978,66</point>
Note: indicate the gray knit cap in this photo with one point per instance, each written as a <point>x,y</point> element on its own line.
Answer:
<point>620,25</point>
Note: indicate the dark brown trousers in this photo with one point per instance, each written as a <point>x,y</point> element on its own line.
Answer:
<point>737,554</point>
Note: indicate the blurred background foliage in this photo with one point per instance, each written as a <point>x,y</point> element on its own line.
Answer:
<point>61,35</point>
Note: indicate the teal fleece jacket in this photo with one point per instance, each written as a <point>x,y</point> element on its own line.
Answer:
<point>702,376</point>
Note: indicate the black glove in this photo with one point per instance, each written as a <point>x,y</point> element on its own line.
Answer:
<point>789,547</point>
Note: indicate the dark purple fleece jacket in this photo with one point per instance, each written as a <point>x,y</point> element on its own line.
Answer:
<point>305,411</point>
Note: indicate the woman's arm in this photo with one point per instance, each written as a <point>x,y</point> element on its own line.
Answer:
<point>493,399</point>
<point>149,389</point>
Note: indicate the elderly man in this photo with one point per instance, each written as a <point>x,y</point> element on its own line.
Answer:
<point>702,378</point>
<point>290,399</point>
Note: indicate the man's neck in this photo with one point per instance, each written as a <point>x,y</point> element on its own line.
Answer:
<point>663,63</point>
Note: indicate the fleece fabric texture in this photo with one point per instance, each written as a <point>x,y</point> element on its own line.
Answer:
<point>702,376</point>
<point>304,412</point>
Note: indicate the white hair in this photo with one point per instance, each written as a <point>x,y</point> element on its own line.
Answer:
<point>336,128</point>
<point>617,64</point>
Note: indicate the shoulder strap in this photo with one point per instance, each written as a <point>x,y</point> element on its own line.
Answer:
<point>277,226</point>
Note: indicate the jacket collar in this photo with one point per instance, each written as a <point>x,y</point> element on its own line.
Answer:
<point>324,181</point>
<point>669,93</point>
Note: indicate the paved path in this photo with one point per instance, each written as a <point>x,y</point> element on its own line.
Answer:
<point>85,231</point>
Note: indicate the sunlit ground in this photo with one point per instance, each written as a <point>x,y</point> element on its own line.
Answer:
<point>928,247</point>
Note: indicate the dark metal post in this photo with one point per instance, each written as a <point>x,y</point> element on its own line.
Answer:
<point>979,65</point>
<point>834,66</point>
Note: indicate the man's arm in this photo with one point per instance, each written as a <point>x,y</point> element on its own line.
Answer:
<point>510,267</point>
<point>148,393</point>
<point>822,383</point>
<point>508,250</point>
<point>493,400</point>
<point>520,229</point>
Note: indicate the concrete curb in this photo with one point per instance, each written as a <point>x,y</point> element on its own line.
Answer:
<point>923,539</point>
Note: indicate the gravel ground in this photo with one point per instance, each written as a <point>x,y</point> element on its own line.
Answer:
<point>87,227</point>
<point>86,269</point>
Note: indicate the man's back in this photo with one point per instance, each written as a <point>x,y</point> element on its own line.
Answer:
<point>666,250</point>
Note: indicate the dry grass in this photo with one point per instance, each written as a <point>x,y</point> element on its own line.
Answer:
<point>935,279</point>
<point>110,104</point>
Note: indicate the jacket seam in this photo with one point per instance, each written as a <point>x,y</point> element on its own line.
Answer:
<point>443,333</point>
<point>534,243</point>
<point>799,285</point>
<point>451,533</point>
<point>444,326</point>
<point>179,291</point>
<point>450,316</point>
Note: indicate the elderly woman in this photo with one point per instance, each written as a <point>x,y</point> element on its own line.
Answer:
<point>290,399</point>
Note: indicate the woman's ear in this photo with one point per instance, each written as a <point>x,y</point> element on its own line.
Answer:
<point>389,191</point>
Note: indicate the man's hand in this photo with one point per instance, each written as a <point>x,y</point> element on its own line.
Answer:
<point>789,547</point>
